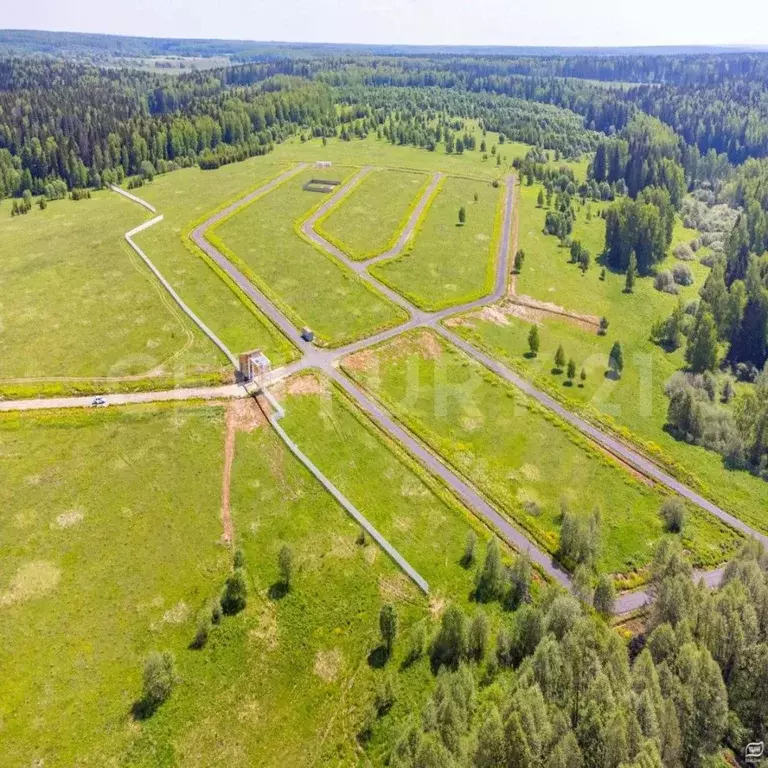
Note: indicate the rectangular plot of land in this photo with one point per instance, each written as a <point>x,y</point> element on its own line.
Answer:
<point>310,287</point>
<point>447,262</point>
<point>368,221</point>
<point>520,455</point>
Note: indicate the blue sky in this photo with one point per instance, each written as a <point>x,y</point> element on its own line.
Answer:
<point>436,22</point>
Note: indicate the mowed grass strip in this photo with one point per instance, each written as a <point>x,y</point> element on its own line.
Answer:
<point>521,456</point>
<point>190,195</point>
<point>409,507</point>
<point>109,544</point>
<point>77,302</point>
<point>311,287</point>
<point>448,263</point>
<point>370,220</point>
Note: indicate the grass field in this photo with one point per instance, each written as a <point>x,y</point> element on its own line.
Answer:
<point>184,197</point>
<point>76,301</point>
<point>401,500</point>
<point>370,219</point>
<point>97,571</point>
<point>447,263</point>
<point>636,402</point>
<point>380,152</point>
<point>108,546</point>
<point>310,287</point>
<point>521,456</point>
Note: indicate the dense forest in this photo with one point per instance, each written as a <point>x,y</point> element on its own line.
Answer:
<point>572,698</point>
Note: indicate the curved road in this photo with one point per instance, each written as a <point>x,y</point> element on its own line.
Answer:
<point>327,361</point>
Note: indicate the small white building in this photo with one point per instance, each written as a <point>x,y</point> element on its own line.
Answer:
<point>323,164</point>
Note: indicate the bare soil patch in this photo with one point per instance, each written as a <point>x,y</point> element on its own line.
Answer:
<point>328,664</point>
<point>363,361</point>
<point>68,519</point>
<point>306,384</point>
<point>32,580</point>
<point>396,588</point>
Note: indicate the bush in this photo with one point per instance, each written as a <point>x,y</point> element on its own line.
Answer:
<point>673,514</point>
<point>665,282</point>
<point>160,679</point>
<point>684,252</point>
<point>682,275</point>
<point>203,629</point>
<point>708,260</point>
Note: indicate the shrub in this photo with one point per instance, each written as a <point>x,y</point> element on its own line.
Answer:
<point>684,252</point>
<point>285,565</point>
<point>665,282</point>
<point>203,629</point>
<point>682,275</point>
<point>708,260</point>
<point>159,679</point>
<point>673,514</point>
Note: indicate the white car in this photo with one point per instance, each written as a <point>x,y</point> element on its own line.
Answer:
<point>99,402</point>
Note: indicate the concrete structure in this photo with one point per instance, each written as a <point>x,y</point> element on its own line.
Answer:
<point>323,164</point>
<point>254,366</point>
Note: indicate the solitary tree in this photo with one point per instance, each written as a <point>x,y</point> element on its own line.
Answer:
<point>285,565</point>
<point>560,358</point>
<point>462,215</point>
<point>477,197</point>
<point>519,259</point>
<point>235,593</point>
<point>673,514</point>
<point>571,369</point>
<point>469,548</point>
<point>159,679</point>
<point>533,340</point>
<point>388,626</point>
<point>616,359</point>
<point>629,285</point>
<point>603,326</point>
<point>540,199</point>
<point>583,377</point>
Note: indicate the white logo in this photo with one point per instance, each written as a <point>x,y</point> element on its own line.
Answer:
<point>754,751</point>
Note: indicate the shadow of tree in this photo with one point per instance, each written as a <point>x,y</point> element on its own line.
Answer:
<point>378,657</point>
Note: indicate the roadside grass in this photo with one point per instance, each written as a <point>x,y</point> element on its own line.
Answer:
<point>191,195</point>
<point>77,302</point>
<point>371,219</point>
<point>447,263</point>
<point>634,405</point>
<point>522,457</point>
<point>311,287</point>
<point>108,547</point>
